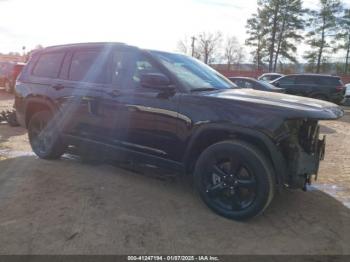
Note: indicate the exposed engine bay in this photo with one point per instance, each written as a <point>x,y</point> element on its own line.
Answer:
<point>303,150</point>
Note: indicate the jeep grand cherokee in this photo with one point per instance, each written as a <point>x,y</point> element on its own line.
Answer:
<point>172,111</point>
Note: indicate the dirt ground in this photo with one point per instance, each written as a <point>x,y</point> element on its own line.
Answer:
<point>71,207</point>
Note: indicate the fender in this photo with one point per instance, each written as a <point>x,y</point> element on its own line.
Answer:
<point>275,155</point>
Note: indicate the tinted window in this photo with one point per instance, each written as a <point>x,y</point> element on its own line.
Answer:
<point>91,66</point>
<point>48,65</point>
<point>142,66</point>
<point>306,80</point>
<point>239,83</point>
<point>330,81</point>
<point>249,84</point>
<point>286,80</point>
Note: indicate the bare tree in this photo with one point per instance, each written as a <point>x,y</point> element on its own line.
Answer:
<point>233,52</point>
<point>208,45</point>
<point>240,55</point>
<point>184,45</point>
<point>188,46</point>
<point>230,50</point>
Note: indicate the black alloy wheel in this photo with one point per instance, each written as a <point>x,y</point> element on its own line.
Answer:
<point>235,179</point>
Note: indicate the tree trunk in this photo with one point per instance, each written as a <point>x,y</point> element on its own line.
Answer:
<point>258,57</point>
<point>280,42</point>
<point>318,68</point>
<point>347,56</point>
<point>273,36</point>
<point>206,54</point>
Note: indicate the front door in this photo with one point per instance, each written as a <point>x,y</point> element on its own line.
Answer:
<point>140,119</point>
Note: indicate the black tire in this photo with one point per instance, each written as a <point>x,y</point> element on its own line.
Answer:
<point>44,136</point>
<point>235,179</point>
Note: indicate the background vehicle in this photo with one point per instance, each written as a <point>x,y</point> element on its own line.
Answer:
<point>247,82</point>
<point>8,74</point>
<point>268,77</point>
<point>347,91</point>
<point>324,87</point>
<point>172,111</point>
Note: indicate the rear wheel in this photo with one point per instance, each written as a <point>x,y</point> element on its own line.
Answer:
<point>235,179</point>
<point>44,136</point>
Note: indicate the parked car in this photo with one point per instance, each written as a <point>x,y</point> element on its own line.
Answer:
<point>172,111</point>
<point>8,74</point>
<point>268,77</point>
<point>247,82</point>
<point>347,91</point>
<point>324,87</point>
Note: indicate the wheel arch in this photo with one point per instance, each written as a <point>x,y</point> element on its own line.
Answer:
<point>208,135</point>
<point>36,104</point>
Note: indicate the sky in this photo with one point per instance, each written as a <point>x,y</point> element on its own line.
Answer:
<point>156,24</point>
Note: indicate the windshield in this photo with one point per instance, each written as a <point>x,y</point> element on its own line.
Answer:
<point>194,74</point>
<point>267,85</point>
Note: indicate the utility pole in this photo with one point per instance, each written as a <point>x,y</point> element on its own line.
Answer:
<point>192,45</point>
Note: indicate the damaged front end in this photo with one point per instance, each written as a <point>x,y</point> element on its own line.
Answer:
<point>303,149</point>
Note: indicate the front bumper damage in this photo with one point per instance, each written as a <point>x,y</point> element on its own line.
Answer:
<point>303,149</point>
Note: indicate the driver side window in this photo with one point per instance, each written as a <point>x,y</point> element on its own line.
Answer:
<point>142,66</point>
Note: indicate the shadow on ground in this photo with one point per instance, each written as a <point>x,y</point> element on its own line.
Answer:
<point>6,132</point>
<point>66,207</point>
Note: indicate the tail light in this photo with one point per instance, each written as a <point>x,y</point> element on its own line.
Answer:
<point>340,88</point>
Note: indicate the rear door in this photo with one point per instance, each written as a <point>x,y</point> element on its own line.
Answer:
<point>288,83</point>
<point>306,85</point>
<point>85,75</point>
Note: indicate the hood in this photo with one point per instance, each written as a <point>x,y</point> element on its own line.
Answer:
<point>292,106</point>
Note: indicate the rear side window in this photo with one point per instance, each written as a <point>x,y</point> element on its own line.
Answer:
<point>48,65</point>
<point>305,80</point>
<point>91,66</point>
<point>330,81</point>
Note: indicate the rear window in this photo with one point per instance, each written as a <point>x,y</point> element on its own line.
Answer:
<point>48,65</point>
<point>91,66</point>
<point>330,81</point>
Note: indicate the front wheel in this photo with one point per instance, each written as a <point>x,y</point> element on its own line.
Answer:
<point>44,136</point>
<point>235,179</point>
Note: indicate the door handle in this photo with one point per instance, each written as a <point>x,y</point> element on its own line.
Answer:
<point>58,87</point>
<point>114,93</point>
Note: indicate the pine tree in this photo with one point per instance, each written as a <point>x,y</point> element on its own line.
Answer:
<point>323,29</point>
<point>344,37</point>
<point>257,37</point>
<point>277,24</point>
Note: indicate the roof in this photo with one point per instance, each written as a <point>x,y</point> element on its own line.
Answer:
<point>241,77</point>
<point>87,44</point>
<point>272,74</point>
<point>310,74</point>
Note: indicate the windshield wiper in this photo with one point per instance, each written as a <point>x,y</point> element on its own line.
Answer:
<point>202,89</point>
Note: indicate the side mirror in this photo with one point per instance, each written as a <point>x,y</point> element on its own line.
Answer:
<point>155,80</point>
